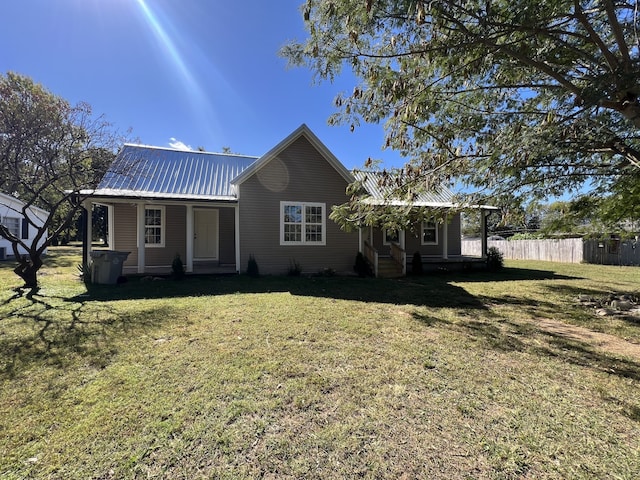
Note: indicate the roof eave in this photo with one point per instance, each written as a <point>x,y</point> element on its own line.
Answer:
<point>301,131</point>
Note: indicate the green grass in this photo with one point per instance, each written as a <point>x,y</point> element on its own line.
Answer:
<point>442,376</point>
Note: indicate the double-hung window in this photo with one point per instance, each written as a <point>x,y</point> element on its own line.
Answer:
<point>302,223</point>
<point>391,236</point>
<point>13,225</point>
<point>429,233</point>
<point>154,226</point>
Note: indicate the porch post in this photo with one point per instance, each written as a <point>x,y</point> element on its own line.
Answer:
<point>483,229</point>
<point>189,239</point>
<point>401,239</point>
<point>88,232</point>
<point>445,238</point>
<point>360,246</point>
<point>237,228</point>
<point>111,233</point>
<point>141,259</point>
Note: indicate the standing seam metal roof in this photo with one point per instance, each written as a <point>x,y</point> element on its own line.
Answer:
<point>384,194</point>
<point>163,172</point>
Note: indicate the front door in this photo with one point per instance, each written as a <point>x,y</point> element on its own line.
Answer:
<point>205,238</point>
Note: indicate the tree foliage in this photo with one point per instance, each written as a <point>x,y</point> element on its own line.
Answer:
<point>525,99</point>
<point>50,151</point>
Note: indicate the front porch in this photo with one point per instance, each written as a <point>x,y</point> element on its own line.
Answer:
<point>204,235</point>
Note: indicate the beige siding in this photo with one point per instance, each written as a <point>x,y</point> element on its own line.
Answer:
<point>174,238</point>
<point>413,241</point>
<point>299,174</point>
<point>125,225</point>
<point>125,221</point>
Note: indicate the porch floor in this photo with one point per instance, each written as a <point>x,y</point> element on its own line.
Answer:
<point>212,268</point>
<point>454,262</point>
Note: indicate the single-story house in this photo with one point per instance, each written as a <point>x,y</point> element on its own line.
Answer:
<point>217,210</point>
<point>22,222</point>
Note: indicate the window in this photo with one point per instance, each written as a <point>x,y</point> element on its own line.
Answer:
<point>12,224</point>
<point>302,223</point>
<point>154,226</point>
<point>391,236</point>
<point>429,233</point>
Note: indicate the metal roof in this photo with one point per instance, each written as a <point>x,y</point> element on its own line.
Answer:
<point>154,172</point>
<point>383,194</point>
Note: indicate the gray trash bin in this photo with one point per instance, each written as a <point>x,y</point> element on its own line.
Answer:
<point>106,265</point>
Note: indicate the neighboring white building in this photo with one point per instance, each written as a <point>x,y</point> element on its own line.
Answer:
<point>11,216</point>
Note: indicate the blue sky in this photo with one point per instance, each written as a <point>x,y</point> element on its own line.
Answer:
<point>201,72</point>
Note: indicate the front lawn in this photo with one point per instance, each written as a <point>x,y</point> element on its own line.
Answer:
<point>443,376</point>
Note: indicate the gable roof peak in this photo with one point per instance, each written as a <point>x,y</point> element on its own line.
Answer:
<point>302,131</point>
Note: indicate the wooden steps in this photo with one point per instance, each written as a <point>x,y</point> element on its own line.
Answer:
<point>388,268</point>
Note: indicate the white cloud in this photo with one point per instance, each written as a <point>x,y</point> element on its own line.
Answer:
<point>178,145</point>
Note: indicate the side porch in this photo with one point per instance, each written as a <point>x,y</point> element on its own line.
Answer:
<point>391,254</point>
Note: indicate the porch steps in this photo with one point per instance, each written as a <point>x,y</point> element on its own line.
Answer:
<point>388,268</point>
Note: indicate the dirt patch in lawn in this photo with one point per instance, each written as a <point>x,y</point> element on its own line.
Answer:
<point>603,341</point>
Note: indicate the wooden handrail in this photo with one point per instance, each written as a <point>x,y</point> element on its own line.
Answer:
<point>371,254</point>
<point>399,256</point>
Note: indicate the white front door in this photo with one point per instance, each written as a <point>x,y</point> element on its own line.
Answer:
<point>205,236</point>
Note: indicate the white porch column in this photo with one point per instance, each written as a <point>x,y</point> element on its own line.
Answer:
<point>88,206</point>
<point>445,239</point>
<point>111,233</point>
<point>483,236</point>
<point>237,230</point>
<point>190,235</point>
<point>360,239</point>
<point>141,259</point>
<point>401,239</point>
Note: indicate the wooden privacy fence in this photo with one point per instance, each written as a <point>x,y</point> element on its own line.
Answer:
<point>566,250</point>
<point>608,251</point>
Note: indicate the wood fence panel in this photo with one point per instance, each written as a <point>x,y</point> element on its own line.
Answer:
<point>569,250</point>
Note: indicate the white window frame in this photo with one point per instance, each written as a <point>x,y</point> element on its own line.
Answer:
<point>162,226</point>
<point>303,223</point>
<point>385,237</point>
<point>423,227</point>
<point>15,232</point>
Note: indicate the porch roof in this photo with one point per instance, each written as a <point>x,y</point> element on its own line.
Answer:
<point>383,194</point>
<point>380,194</point>
<point>141,171</point>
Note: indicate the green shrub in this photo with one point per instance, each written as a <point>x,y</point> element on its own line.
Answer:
<point>294,269</point>
<point>362,267</point>
<point>252,267</point>
<point>416,264</point>
<point>177,267</point>
<point>495,259</point>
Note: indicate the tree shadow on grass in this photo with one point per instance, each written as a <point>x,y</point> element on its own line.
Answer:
<point>438,292</point>
<point>53,330</point>
<point>509,274</point>
<point>506,336</point>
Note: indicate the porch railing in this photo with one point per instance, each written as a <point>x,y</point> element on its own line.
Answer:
<point>371,254</point>
<point>399,256</point>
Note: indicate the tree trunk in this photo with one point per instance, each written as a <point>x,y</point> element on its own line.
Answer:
<point>27,269</point>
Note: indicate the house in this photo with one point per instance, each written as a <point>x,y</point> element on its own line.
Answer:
<point>217,210</point>
<point>23,222</point>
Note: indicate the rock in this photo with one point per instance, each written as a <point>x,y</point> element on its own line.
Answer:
<point>622,305</point>
<point>604,312</point>
<point>585,298</point>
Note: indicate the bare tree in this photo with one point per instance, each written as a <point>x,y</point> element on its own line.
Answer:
<point>51,154</point>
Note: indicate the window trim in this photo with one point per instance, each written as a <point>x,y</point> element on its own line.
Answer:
<point>303,240</point>
<point>15,233</point>
<point>423,228</point>
<point>385,241</point>
<point>163,226</point>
